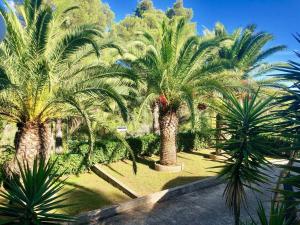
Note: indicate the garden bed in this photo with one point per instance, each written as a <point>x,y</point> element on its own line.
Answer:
<point>147,180</point>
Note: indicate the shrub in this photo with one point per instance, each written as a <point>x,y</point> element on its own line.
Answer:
<point>146,145</point>
<point>189,141</point>
<point>5,156</point>
<point>105,151</point>
<point>186,141</point>
<point>111,150</point>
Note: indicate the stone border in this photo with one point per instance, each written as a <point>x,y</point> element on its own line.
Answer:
<point>93,217</point>
<point>114,182</point>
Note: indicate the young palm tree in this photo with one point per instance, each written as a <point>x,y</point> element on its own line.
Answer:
<point>174,69</point>
<point>244,122</point>
<point>48,73</point>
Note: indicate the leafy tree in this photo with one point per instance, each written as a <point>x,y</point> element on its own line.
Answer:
<point>179,10</point>
<point>244,122</point>
<point>173,70</point>
<point>31,198</point>
<point>143,6</point>
<point>88,12</point>
<point>48,72</point>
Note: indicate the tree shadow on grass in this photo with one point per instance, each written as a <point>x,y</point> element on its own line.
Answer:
<point>146,161</point>
<point>116,171</point>
<point>181,157</point>
<point>178,181</point>
<point>206,156</point>
<point>82,199</point>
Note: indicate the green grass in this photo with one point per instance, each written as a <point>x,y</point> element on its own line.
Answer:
<point>147,180</point>
<point>90,192</point>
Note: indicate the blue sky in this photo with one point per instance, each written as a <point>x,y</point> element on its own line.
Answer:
<point>279,17</point>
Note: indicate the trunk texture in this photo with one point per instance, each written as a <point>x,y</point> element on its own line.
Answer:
<point>32,140</point>
<point>168,122</point>
<point>155,116</point>
<point>58,137</point>
<point>218,133</point>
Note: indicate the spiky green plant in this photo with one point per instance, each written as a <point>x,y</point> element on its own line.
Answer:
<point>276,216</point>
<point>32,197</point>
<point>49,72</point>
<point>289,126</point>
<point>244,121</point>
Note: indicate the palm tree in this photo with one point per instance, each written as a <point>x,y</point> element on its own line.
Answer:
<point>174,68</point>
<point>244,53</point>
<point>48,72</point>
<point>244,122</point>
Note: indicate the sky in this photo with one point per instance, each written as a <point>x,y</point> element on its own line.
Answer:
<point>278,17</point>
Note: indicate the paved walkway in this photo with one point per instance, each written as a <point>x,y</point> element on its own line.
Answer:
<point>203,207</point>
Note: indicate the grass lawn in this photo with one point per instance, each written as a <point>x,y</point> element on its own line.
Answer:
<point>90,192</point>
<point>148,180</point>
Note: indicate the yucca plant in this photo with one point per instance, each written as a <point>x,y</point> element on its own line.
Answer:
<point>48,72</point>
<point>32,197</point>
<point>175,69</point>
<point>244,122</point>
<point>290,128</point>
<point>276,216</point>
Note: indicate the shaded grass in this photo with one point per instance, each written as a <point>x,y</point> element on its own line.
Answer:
<point>148,180</point>
<point>90,192</point>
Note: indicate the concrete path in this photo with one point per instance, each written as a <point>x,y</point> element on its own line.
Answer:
<point>203,207</point>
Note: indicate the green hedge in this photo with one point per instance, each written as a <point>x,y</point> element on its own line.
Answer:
<point>107,151</point>
<point>74,162</point>
<point>146,145</point>
<point>111,150</point>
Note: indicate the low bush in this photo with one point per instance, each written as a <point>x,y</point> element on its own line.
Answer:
<point>146,145</point>
<point>112,150</point>
<point>6,155</point>
<point>105,151</point>
<point>190,141</point>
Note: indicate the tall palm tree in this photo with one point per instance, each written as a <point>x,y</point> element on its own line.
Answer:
<point>48,72</point>
<point>245,54</point>
<point>174,69</point>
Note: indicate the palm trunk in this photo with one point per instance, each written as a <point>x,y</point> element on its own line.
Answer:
<point>58,137</point>
<point>32,140</point>
<point>218,133</point>
<point>168,122</point>
<point>155,117</point>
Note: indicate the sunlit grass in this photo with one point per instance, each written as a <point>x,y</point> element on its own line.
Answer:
<point>147,180</point>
